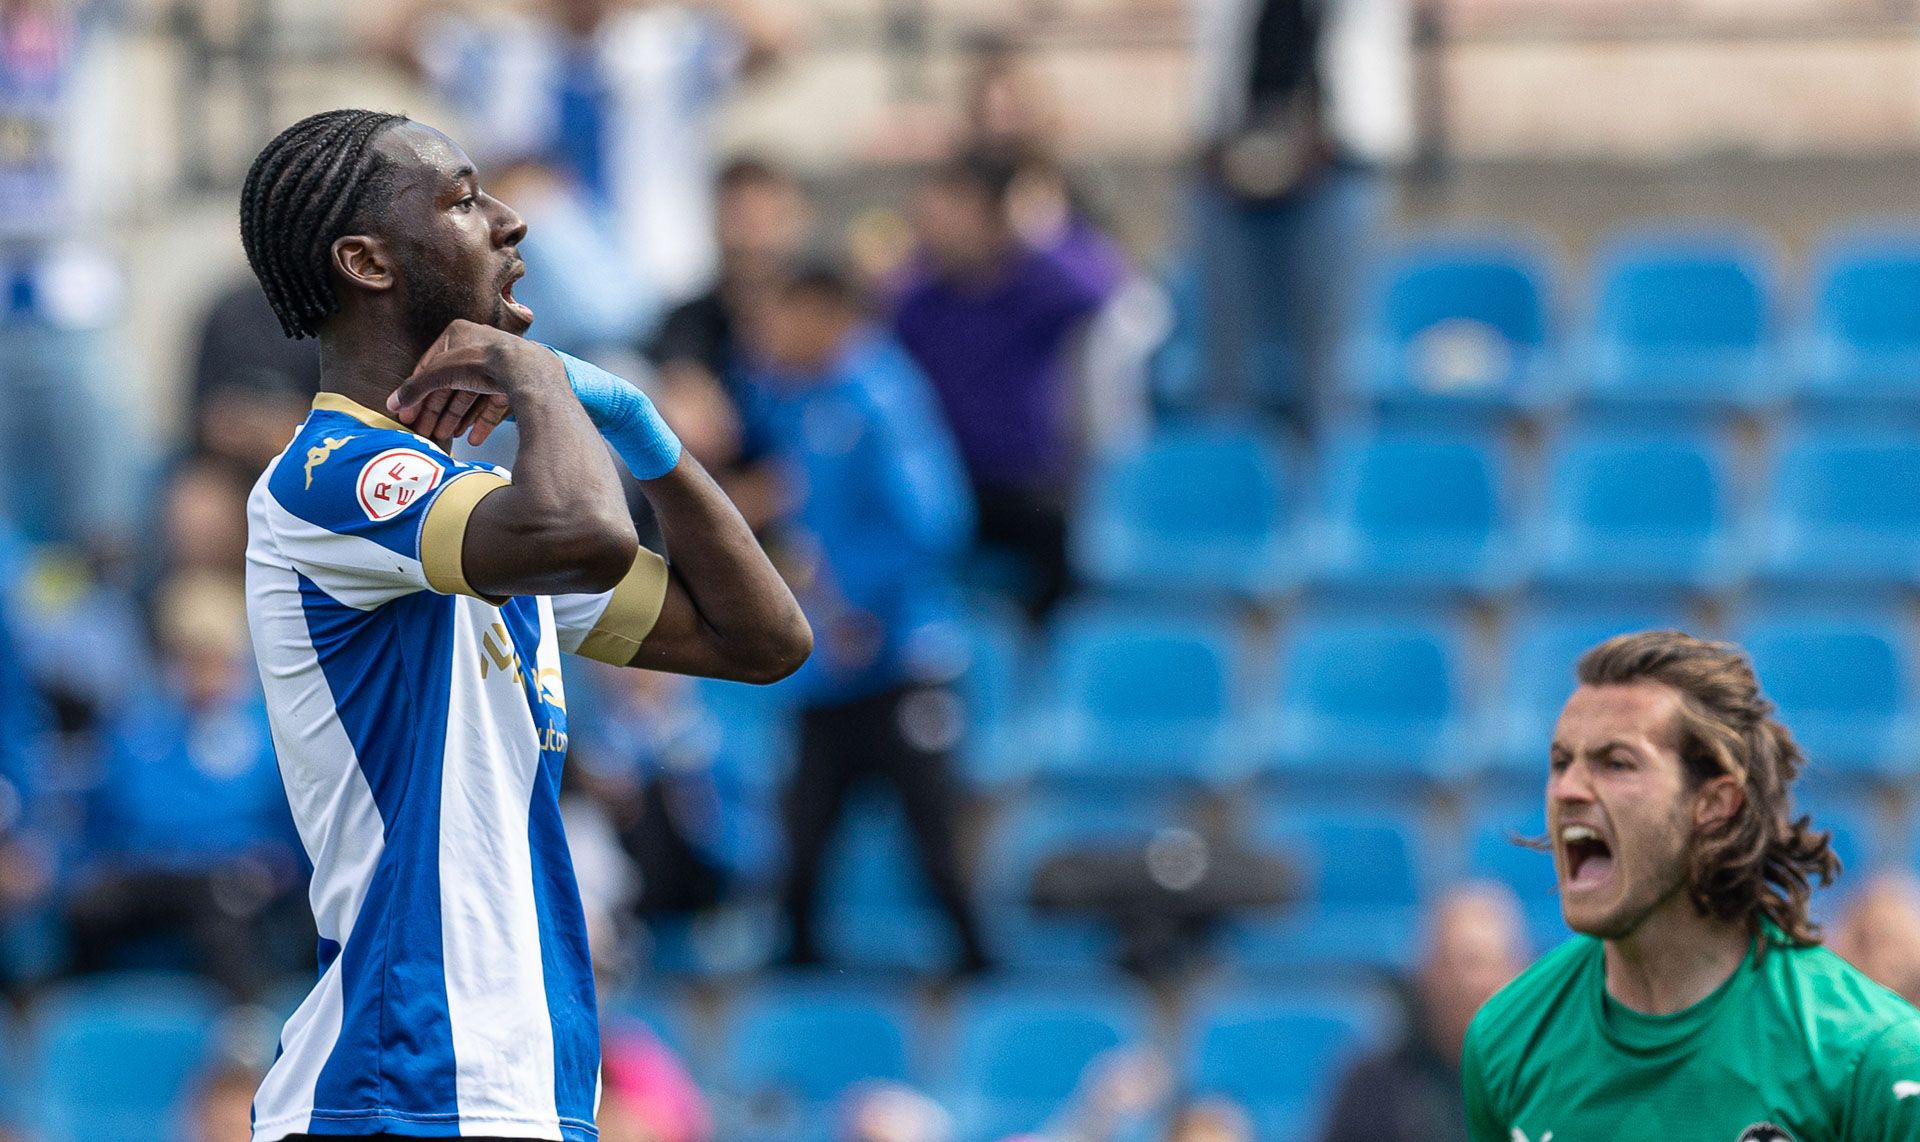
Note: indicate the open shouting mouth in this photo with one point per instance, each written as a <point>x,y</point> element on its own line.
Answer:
<point>521,313</point>
<point>1587,856</point>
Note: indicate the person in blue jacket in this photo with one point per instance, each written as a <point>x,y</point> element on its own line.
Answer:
<point>880,516</point>
<point>188,831</point>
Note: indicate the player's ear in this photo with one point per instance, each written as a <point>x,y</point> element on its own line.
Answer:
<point>1718,801</point>
<point>362,259</point>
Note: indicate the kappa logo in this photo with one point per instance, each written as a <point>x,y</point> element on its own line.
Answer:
<point>395,480</point>
<point>318,454</point>
<point>1764,1132</point>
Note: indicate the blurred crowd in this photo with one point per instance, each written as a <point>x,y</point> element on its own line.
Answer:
<point>902,408</point>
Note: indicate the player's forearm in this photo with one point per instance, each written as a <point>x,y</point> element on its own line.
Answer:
<point>746,615</point>
<point>562,524</point>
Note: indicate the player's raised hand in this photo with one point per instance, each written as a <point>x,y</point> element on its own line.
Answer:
<point>466,381</point>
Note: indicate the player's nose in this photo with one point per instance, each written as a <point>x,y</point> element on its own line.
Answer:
<point>1570,784</point>
<point>509,228</point>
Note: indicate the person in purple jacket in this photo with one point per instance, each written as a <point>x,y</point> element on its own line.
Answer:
<point>992,322</point>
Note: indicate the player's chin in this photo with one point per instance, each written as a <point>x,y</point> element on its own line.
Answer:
<point>511,317</point>
<point>1608,918</point>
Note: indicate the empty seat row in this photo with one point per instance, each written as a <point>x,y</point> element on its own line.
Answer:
<point>1219,508</point>
<point>1011,1055</point>
<point>1122,696</point>
<point>1698,317</point>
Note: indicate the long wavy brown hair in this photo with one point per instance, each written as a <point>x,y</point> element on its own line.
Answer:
<point>1761,861</point>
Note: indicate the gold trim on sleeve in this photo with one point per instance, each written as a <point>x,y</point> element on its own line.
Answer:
<point>443,534</point>
<point>630,614</point>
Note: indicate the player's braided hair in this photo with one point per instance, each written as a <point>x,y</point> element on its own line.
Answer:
<point>304,190</point>
<point>1762,860</point>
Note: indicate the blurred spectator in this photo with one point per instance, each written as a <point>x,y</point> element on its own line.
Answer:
<point>1300,102</point>
<point>586,295</point>
<point>1210,1120</point>
<point>656,831</point>
<point>763,220</point>
<point>1475,944</point>
<point>617,97</point>
<point>992,322</point>
<point>647,1095</point>
<point>890,1112</point>
<point>26,853</point>
<point>873,545</point>
<point>203,518</point>
<point>1879,932</point>
<point>220,1108</point>
<point>188,830</point>
<point>252,385</point>
<point>68,458</point>
<point>1120,1091</point>
<point>1012,113</point>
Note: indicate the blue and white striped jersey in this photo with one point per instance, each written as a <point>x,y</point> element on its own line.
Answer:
<point>420,731</point>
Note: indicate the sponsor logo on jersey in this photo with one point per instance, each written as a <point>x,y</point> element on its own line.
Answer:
<point>318,454</point>
<point>1905,1089</point>
<point>1764,1132</point>
<point>394,481</point>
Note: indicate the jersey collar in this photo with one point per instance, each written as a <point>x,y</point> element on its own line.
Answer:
<point>335,402</point>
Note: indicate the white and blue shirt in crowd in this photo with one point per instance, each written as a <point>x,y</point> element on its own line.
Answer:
<point>420,730</point>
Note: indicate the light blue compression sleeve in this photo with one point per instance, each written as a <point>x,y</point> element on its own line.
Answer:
<point>625,416</point>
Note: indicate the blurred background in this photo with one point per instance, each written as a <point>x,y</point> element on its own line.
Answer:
<point>1203,434</point>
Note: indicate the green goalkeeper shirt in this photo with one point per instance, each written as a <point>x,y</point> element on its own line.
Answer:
<point>1796,1046</point>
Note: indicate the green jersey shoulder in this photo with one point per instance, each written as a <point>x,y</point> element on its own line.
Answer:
<point>1796,1046</point>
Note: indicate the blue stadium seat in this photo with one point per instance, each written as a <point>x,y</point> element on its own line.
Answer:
<point>1371,696</point>
<point>1494,852</point>
<point>1843,680</point>
<point>792,1051</point>
<point>1035,828</point>
<point>1862,346</point>
<point>1020,1050</point>
<point>1138,697</point>
<point>876,909</point>
<point>756,742</point>
<point>1413,512</point>
<point>992,690</point>
<point>1841,508</point>
<point>1280,1054</point>
<point>1684,319</point>
<point>1455,324</point>
<point>1856,838</point>
<point>1196,508</point>
<point>1361,870</point>
<point>1638,510</point>
<point>113,1055</point>
<point>1542,644</point>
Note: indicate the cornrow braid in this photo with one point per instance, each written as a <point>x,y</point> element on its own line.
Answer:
<point>302,192</point>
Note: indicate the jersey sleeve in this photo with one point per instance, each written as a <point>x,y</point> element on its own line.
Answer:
<point>1484,1122</point>
<point>610,626</point>
<point>1884,1103</point>
<point>369,515</point>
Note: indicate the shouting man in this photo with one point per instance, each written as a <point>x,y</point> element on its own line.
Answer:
<point>1696,1001</point>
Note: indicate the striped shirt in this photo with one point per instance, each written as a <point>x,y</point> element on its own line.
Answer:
<point>420,730</point>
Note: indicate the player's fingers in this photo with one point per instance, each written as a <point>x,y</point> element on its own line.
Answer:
<point>433,414</point>
<point>440,378</point>
<point>491,412</point>
<point>458,416</point>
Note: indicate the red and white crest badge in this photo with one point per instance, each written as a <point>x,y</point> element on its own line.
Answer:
<point>395,480</point>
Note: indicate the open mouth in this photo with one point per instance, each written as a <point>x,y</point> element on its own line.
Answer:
<point>520,312</point>
<point>1586,856</point>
